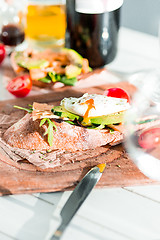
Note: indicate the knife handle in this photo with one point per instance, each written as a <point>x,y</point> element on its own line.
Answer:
<point>58,233</point>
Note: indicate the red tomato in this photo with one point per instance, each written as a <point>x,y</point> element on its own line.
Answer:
<point>2,52</point>
<point>150,138</point>
<point>117,93</point>
<point>20,86</point>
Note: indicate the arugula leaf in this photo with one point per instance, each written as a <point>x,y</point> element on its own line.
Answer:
<point>52,76</point>
<point>46,79</point>
<point>62,78</point>
<point>70,122</point>
<point>49,130</point>
<point>42,122</point>
<point>68,81</point>
<point>29,110</point>
<point>99,127</point>
<point>111,131</point>
<point>58,77</point>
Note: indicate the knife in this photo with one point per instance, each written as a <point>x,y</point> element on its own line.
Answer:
<point>77,198</point>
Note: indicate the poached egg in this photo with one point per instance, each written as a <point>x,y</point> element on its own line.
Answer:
<point>94,105</point>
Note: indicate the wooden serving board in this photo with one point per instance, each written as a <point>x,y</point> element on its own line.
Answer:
<point>120,170</point>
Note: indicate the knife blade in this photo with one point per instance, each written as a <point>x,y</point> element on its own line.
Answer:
<point>77,198</point>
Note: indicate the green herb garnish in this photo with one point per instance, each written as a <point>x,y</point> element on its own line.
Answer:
<point>70,122</point>
<point>99,127</point>
<point>46,79</point>
<point>53,77</point>
<point>29,110</point>
<point>111,131</point>
<point>49,130</point>
<point>42,122</point>
<point>68,81</point>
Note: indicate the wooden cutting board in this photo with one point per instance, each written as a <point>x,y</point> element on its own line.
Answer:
<point>120,171</point>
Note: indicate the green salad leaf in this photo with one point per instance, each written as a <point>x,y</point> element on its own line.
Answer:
<point>49,130</point>
<point>68,81</point>
<point>98,127</point>
<point>46,79</point>
<point>70,122</point>
<point>111,131</point>
<point>29,110</point>
<point>53,77</point>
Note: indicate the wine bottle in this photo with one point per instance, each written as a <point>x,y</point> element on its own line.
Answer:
<point>92,29</point>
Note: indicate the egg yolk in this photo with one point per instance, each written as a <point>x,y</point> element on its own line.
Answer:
<point>90,105</point>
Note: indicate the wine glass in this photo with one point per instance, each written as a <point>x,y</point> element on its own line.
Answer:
<point>11,24</point>
<point>143,126</point>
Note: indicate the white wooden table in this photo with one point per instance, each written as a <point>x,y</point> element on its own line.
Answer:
<point>107,214</point>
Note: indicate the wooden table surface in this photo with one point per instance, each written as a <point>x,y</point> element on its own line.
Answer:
<point>108,213</point>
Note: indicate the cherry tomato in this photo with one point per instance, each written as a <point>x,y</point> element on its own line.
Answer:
<point>117,93</point>
<point>20,86</point>
<point>150,138</point>
<point>2,52</point>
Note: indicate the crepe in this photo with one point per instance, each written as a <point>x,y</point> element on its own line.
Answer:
<point>57,160</point>
<point>27,134</point>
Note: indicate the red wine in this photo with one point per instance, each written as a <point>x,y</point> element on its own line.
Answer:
<point>94,36</point>
<point>12,35</point>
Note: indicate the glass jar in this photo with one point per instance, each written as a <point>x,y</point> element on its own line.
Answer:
<point>45,23</point>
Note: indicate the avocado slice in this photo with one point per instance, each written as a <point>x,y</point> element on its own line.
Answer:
<point>29,63</point>
<point>101,120</point>
<point>62,112</point>
<point>72,71</point>
<point>108,119</point>
<point>75,68</point>
<point>33,63</point>
<point>75,57</point>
